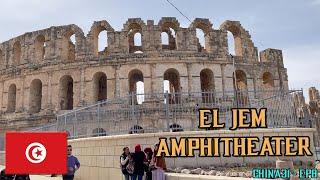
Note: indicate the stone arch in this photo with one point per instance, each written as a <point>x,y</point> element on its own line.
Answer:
<point>136,129</point>
<point>135,76</point>
<point>35,96</point>
<point>207,85</point>
<point>40,47</point>
<point>17,53</point>
<point>175,128</point>
<point>169,26</point>
<point>99,86</point>
<point>205,26</point>
<point>169,22</point>
<point>172,76</point>
<point>267,80</point>
<point>240,80</point>
<point>170,34</point>
<point>96,29</point>
<point>66,93</point>
<point>241,89</point>
<point>69,48</point>
<point>12,98</point>
<point>134,30</point>
<point>235,28</point>
<point>99,132</point>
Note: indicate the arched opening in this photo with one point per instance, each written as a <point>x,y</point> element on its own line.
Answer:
<point>140,92</point>
<point>267,80</point>
<point>16,53</point>
<point>69,46</point>
<point>100,86</point>
<point>175,128</point>
<point>164,39</point>
<point>234,40</point>
<point>201,39</point>
<point>172,85</point>
<point>240,86</point>
<point>168,38</point>
<point>12,95</point>
<point>135,38</point>
<point>207,85</point>
<point>240,81</point>
<point>35,96</point>
<point>66,93</point>
<point>101,41</point>
<point>40,47</point>
<point>99,132</point>
<point>231,44</point>
<point>136,86</point>
<point>136,129</point>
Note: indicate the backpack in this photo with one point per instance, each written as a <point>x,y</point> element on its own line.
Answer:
<point>130,167</point>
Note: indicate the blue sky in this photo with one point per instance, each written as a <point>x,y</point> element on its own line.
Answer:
<point>290,25</point>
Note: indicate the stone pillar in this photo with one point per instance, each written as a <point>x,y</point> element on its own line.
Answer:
<point>223,78</point>
<point>152,77</point>
<point>82,87</point>
<point>49,91</point>
<point>20,107</point>
<point>189,66</point>
<point>117,81</point>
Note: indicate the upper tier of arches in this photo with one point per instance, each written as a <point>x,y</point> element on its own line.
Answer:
<point>69,43</point>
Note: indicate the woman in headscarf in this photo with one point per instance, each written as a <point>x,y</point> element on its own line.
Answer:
<point>159,165</point>
<point>139,158</point>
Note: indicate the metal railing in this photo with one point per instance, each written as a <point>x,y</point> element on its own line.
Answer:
<point>141,113</point>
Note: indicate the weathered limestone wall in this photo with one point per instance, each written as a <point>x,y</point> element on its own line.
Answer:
<point>50,58</point>
<point>99,156</point>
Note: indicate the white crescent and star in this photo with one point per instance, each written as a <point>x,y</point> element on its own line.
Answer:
<point>36,153</point>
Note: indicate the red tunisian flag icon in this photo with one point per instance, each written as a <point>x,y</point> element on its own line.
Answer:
<point>36,152</point>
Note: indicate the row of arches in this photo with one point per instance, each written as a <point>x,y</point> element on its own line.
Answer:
<point>168,36</point>
<point>35,97</point>
<point>41,46</point>
<point>39,50</point>
<point>171,85</point>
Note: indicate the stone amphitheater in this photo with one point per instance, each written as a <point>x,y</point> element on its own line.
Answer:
<point>44,73</point>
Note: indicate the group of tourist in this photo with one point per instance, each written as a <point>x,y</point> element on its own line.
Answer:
<point>135,165</point>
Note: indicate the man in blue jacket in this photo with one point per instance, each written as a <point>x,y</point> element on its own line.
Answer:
<point>73,165</point>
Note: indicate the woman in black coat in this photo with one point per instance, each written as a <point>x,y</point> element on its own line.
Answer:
<point>139,158</point>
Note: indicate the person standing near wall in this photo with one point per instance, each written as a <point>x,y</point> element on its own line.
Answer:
<point>73,165</point>
<point>139,158</point>
<point>148,167</point>
<point>124,161</point>
<point>159,165</point>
